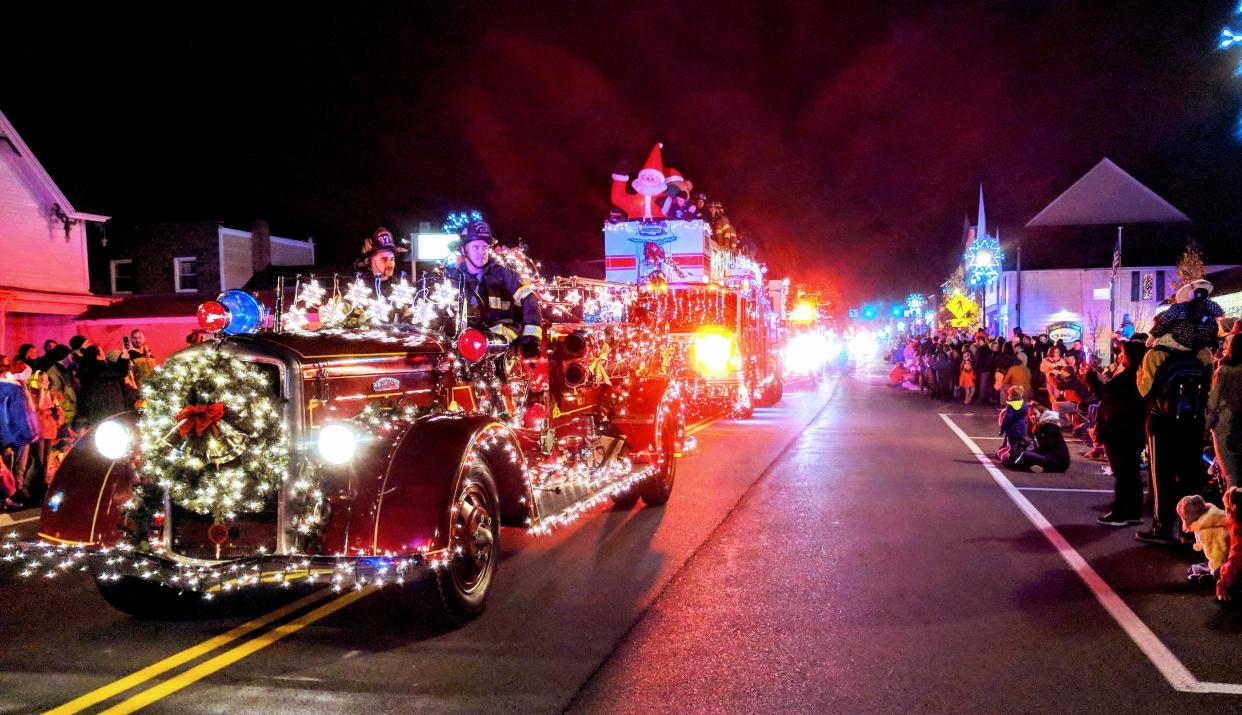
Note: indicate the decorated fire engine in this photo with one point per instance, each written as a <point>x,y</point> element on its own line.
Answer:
<point>370,431</point>
<point>726,321</point>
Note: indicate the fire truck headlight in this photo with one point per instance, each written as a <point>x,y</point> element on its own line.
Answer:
<point>337,443</point>
<point>714,353</point>
<point>806,353</point>
<point>112,439</point>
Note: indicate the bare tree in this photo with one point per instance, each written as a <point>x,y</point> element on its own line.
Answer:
<point>1190,267</point>
<point>1093,331</point>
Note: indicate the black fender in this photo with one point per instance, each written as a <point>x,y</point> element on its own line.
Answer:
<point>404,485</point>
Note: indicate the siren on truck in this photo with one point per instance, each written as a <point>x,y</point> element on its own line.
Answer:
<point>233,312</point>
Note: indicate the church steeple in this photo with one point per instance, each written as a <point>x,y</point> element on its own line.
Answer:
<point>981,228</point>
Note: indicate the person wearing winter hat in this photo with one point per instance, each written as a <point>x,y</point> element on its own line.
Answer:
<point>505,304</point>
<point>1175,383</point>
<point>1050,454</point>
<point>61,380</point>
<point>1120,429</point>
<point>379,257</point>
<point>677,203</point>
<point>1012,420</point>
<point>1207,522</point>
<point>1223,406</point>
<point>106,386</point>
<point>1191,320</point>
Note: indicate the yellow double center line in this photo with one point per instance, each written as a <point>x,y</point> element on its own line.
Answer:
<point>215,664</point>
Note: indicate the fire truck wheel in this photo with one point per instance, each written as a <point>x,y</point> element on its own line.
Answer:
<point>657,488</point>
<point>772,393</point>
<point>453,595</point>
<point>624,501</point>
<point>144,599</point>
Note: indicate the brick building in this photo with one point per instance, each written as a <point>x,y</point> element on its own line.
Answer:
<point>160,272</point>
<point>203,257</point>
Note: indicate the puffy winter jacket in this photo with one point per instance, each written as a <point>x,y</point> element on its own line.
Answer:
<point>15,428</point>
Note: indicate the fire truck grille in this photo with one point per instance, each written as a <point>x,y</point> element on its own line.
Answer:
<point>196,535</point>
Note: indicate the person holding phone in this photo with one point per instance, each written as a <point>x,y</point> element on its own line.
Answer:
<point>142,361</point>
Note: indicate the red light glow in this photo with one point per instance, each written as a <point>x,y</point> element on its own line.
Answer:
<point>213,316</point>
<point>472,345</point>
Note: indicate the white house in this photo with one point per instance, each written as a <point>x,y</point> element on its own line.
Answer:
<point>44,279</point>
<point>1051,298</point>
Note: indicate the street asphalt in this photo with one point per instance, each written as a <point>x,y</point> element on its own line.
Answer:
<point>842,552</point>
<point>878,568</point>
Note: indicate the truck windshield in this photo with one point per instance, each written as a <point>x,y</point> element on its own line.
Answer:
<point>688,309</point>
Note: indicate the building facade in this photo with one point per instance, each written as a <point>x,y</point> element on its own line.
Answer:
<point>203,257</point>
<point>1041,301</point>
<point>44,279</point>
<point>158,274</point>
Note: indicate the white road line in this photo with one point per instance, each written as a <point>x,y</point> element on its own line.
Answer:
<point>18,518</point>
<point>1059,489</point>
<point>1173,670</point>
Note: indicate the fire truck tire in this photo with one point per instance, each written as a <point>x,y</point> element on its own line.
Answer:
<point>451,596</point>
<point>145,599</point>
<point>657,488</point>
<point>772,393</point>
<point>624,501</point>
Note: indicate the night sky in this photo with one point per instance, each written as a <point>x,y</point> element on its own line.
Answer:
<point>847,140</point>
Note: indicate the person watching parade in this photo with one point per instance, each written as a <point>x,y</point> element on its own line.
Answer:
<point>379,255</point>
<point>502,301</point>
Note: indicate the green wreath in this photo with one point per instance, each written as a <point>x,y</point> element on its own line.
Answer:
<point>212,434</point>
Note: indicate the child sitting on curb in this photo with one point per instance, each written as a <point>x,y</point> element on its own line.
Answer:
<point>1012,419</point>
<point>1050,453</point>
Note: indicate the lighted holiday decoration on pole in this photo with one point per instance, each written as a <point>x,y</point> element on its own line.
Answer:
<point>984,260</point>
<point>915,302</point>
<point>1230,40</point>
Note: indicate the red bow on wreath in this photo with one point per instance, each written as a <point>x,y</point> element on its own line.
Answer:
<point>199,418</point>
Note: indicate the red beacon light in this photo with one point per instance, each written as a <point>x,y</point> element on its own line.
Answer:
<point>233,312</point>
<point>472,345</point>
<point>213,316</point>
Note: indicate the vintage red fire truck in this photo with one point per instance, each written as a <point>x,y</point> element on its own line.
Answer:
<point>377,453</point>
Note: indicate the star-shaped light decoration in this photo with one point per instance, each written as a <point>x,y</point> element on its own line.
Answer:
<point>402,294</point>
<point>358,293</point>
<point>312,294</point>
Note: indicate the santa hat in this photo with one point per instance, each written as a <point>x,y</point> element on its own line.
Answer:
<point>655,163</point>
<point>672,176</point>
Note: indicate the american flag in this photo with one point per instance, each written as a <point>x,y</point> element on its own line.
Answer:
<point>1117,257</point>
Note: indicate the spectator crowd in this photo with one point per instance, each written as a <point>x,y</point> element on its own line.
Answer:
<point>1160,415</point>
<point>49,399</point>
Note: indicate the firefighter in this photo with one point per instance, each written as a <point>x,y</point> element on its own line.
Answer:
<point>500,299</point>
<point>379,256</point>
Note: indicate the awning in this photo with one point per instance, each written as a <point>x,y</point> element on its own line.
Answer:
<point>48,302</point>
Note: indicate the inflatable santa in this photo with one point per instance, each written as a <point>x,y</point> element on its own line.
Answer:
<point>651,184</point>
